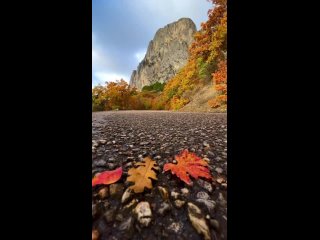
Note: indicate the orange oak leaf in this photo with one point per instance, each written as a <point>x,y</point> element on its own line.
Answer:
<point>107,177</point>
<point>142,175</point>
<point>188,164</point>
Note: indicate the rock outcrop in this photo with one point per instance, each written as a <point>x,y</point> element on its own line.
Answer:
<point>166,54</point>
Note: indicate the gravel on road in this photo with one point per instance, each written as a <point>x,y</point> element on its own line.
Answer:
<point>171,209</point>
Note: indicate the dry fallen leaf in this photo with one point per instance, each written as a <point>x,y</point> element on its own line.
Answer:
<point>107,177</point>
<point>188,164</point>
<point>142,175</point>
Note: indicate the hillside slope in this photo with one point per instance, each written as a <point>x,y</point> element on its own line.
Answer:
<point>199,100</point>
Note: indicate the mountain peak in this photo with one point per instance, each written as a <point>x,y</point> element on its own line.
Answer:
<point>166,54</point>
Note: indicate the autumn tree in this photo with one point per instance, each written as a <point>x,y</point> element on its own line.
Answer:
<point>207,50</point>
<point>114,95</point>
<point>118,93</point>
<point>99,98</point>
<point>219,79</point>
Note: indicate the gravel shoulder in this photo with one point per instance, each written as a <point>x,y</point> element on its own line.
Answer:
<point>173,210</point>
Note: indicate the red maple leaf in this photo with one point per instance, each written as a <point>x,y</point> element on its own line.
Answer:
<point>107,177</point>
<point>188,164</point>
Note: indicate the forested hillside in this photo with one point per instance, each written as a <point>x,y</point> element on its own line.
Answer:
<point>206,68</point>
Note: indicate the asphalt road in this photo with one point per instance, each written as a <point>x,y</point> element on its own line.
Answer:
<point>122,138</point>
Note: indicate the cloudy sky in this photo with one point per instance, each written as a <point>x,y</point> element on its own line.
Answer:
<point>122,30</point>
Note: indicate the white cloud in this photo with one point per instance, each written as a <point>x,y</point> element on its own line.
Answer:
<point>95,56</point>
<point>99,58</point>
<point>100,62</point>
<point>169,11</point>
<point>102,77</point>
<point>140,55</point>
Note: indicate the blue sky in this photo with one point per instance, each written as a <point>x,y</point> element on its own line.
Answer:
<point>122,30</point>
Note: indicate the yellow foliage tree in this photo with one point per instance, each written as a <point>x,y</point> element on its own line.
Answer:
<point>207,50</point>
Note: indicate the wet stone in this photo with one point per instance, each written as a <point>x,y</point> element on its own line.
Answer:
<point>224,186</point>
<point>198,221</point>
<point>185,191</point>
<point>95,235</point>
<point>127,224</point>
<point>103,193</point>
<point>143,213</point>
<point>94,210</point>
<point>128,165</point>
<point>111,166</point>
<point>220,180</point>
<point>174,194</point>
<point>164,208</point>
<point>222,202</point>
<point>203,195</point>
<point>163,192</point>
<point>106,204</point>
<point>116,189</point>
<point>109,215</point>
<point>130,204</point>
<point>119,217</point>
<point>205,185</point>
<point>126,195</point>
<point>211,154</point>
<point>219,170</point>
<point>176,227</point>
<point>210,204</point>
<point>99,163</point>
<point>179,203</point>
<point>215,224</point>
<point>205,144</point>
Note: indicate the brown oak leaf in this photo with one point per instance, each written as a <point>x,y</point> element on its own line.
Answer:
<point>142,175</point>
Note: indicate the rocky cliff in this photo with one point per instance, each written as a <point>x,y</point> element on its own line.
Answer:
<point>166,54</point>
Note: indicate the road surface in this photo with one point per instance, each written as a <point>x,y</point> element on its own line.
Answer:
<point>122,138</point>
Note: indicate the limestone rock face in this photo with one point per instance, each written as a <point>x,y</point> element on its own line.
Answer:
<point>166,54</point>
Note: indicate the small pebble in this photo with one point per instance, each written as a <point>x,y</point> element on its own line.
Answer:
<point>103,193</point>
<point>174,194</point>
<point>179,203</point>
<point>185,191</point>
<point>95,235</point>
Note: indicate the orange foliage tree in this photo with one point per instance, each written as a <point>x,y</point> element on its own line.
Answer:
<point>114,95</point>
<point>207,50</point>
<point>219,79</point>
